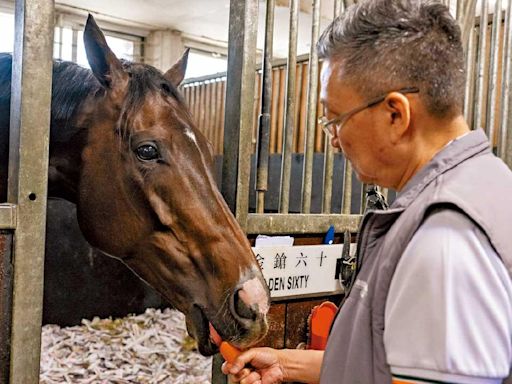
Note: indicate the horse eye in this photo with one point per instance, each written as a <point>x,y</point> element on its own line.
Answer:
<point>147,152</point>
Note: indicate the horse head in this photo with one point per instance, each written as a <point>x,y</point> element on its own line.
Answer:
<point>147,196</point>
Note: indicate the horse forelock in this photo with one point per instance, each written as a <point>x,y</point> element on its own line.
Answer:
<point>144,79</point>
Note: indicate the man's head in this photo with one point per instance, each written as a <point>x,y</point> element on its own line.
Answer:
<point>380,46</point>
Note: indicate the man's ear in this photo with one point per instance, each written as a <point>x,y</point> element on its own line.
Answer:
<point>104,64</point>
<point>398,110</point>
<point>176,74</point>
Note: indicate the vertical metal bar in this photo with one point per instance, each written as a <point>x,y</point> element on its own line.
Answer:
<point>291,78</point>
<point>262,147</point>
<point>28,178</point>
<point>470,77</point>
<point>506,80</point>
<point>339,7</point>
<point>328,149</point>
<point>482,45</point>
<point>328,171</point>
<point>363,198</point>
<point>238,123</point>
<point>460,5</point>
<point>346,202</point>
<point>493,73</point>
<point>312,105</point>
<point>303,110</point>
<point>468,20</point>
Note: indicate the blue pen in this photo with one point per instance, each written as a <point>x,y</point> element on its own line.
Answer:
<point>329,236</point>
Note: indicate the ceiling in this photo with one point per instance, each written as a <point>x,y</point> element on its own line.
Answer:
<point>203,19</point>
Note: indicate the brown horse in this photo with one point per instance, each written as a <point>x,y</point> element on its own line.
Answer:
<point>125,150</point>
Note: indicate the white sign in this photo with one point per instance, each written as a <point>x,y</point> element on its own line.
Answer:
<point>300,270</point>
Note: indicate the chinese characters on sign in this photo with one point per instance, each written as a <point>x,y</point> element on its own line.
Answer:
<point>299,270</point>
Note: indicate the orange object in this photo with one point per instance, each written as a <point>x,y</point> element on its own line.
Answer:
<point>228,352</point>
<point>320,322</point>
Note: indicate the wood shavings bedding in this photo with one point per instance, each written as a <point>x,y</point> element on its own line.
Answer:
<point>149,348</point>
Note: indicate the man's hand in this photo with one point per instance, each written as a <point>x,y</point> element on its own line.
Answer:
<point>266,367</point>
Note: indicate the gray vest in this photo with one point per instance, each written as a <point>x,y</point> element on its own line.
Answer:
<point>465,176</point>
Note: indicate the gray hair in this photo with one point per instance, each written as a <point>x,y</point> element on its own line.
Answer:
<point>385,45</point>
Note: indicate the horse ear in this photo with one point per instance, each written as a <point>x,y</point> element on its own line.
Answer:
<point>104,64</point>
<point>176,74</point>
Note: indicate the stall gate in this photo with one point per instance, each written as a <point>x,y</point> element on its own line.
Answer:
<point>487,39</point>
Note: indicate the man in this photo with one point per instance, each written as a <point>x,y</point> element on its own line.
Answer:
<point>432,298</point>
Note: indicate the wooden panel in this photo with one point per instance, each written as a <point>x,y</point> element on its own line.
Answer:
<point>5,303</point>
<point>276,331</point>
<point>281,109</point>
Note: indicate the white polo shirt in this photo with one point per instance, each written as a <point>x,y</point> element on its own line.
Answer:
<point>448,316</point>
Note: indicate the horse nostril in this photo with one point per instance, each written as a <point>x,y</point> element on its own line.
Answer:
<point>242,309</point>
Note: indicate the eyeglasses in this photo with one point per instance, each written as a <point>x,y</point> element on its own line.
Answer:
<point>328,126</point>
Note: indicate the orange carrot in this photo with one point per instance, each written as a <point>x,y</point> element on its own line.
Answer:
<point>229,352</point>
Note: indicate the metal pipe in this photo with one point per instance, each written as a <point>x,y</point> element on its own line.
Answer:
<point>339,7</point>
<point>262,146</point>
<point>506,81</point>
<point>328,149</point>
<point>460,10</point>
<point>273,224</point>
<point>28,179</point>
<point>363,198</point>
<point>493,73</point>
<point>312,106</point>
<point>482,44</point>
<point>328,171</point>
<point>470,84</point>
<point>468,21</point>
<point>291,78</point>
<point>346,202</point>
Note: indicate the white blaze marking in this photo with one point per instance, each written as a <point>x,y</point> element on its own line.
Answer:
<point>190,135</point>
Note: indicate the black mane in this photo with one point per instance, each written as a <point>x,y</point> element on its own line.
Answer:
<point>72,84</point>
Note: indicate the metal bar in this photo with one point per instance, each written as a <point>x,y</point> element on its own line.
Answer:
<point>482,44</point>
<point>468,21</point>
<point>7,216</point>
<point>272,224</point>
<point>238,121</point>
<point>312,105</point>
<point>328,171</point>
<point>469,91</point>
<point>346,203</point>
<point>493,73</point>
<point>339,7</point>
<point>262,147</point>
<point>460,4</point>
<point>506,80</point>
<point>328,149</point>
<point>28,178</point>
<point>291,78</point>
<point>363,198</point>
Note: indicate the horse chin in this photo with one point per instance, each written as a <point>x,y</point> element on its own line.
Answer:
<point>198,328</point>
